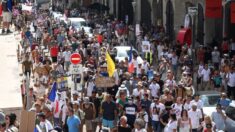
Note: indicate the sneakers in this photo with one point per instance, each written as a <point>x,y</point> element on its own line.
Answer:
<point>8,31</point>
<point>3,31</point>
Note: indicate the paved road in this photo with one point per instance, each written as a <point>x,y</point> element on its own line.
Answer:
<point>10,94</point>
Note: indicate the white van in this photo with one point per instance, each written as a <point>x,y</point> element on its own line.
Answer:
<point>79,23</point>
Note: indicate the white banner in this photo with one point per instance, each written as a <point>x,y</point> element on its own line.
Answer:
<point>27,8</point>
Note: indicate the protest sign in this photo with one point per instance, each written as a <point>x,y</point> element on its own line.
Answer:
<point>104,82</point>
<point>145,46</point>
<point>27,121</point>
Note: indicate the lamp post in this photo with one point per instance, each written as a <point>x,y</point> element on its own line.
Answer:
<point>193,12</point>
<point>134,10</point>
<point>134,21</point>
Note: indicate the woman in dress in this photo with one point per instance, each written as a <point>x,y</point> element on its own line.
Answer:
<point>184,122</point>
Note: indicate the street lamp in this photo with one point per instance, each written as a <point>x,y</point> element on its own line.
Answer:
<point>134,10</point>
<point>193,11</point>
<point>134,21</point>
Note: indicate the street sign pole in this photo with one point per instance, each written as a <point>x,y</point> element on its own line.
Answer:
<point>75,68</point>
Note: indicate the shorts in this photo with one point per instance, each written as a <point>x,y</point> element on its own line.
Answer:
<point>88,125</point>
<point>67,63</point>
<point>108,123</point>
<point>6,16</point>
<point>54,59</point>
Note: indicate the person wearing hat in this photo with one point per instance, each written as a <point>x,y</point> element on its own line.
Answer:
<point>75,96</point>
<point>44,124</point>
<point>130,111</point>
<point>124,89</point>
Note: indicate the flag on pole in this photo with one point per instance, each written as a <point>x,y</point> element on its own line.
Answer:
<point>110,65</point>
<point>130,62</point>
<point>52,94</point>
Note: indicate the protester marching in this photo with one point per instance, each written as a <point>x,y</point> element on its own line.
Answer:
<point>92,73</point>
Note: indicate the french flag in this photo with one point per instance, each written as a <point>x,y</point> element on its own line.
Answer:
<point>53,97</point>
<point>131,68</point>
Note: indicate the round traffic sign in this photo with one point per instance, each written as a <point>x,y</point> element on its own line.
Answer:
<point>75,58</point>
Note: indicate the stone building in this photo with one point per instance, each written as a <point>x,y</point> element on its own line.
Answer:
<point>171,14</point>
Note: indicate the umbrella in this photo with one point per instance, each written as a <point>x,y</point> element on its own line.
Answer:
<point>98,6</point>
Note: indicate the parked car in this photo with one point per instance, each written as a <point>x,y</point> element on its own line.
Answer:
<point>57,14</point>
<point>77,22</point>
<point>210,100</point>
<point>123,51</point>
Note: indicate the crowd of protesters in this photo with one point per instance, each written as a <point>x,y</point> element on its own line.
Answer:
<point>159,95</point>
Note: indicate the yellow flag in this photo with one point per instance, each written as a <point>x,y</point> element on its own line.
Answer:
<point>110,65</point>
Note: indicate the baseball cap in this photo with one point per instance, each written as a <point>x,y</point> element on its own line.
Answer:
<point>41,114</point>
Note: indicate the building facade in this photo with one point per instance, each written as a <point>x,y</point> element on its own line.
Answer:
<point>172,15</point>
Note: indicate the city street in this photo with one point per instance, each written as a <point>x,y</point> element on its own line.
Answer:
<point>10,95</point>
<point>117,65</point>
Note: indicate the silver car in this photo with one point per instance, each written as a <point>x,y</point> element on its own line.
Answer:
<point>123,51</point>
<point>210,100</point>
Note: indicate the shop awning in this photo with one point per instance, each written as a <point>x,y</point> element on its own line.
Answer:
<point>184,36</point>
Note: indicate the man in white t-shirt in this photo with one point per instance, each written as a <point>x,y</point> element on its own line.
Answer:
<point>197,101</point>
<point>196,118</point>
<point>156,109</point>
<point>205,74</point>
<point>231,83</point>
<point>154,87</point>
<point>66,56</point>
<point>145,66</point>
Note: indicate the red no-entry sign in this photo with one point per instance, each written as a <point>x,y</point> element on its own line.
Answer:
<point>75,58</point>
